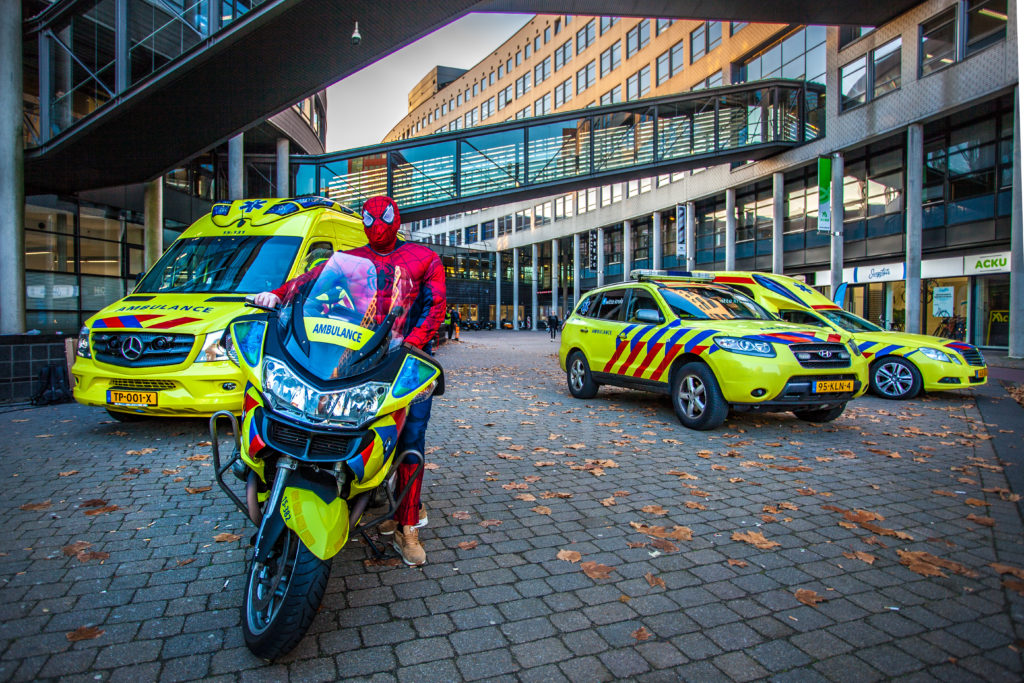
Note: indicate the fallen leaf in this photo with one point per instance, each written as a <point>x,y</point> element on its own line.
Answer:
<point>84,633</point>
<point>532,478</point>
<point>515,486</point>
<point>147,451</point>
<point>382,562</point>
<point>528,497</point>
<point>983,521</point>
<point>621,494</point>
<point>882,531</point>
<point>862,516</point>
<point>975,502</point>
<point>694,505</point>
<point>33,507</point>
<point>226,537</point>
<point>542,510</point>
<point>1014,585</point>
<point>460,514</point>
<point>87,555</point>
<point>664,545</point>
<point>595,570</point>
<point>203,444</point>
<point>544,463</point>
<point>948,494</point>
<point>654,510</point>
<point>431,466</point>
<point>75,548</point>
<point>654,581</point>
<point>490,522</point>
<point>43,436</point>
<point>636,544</point>
<point>1008,569</point>
<point>92,503</point>
<point>67,474</point>
<point>682,475</point>
<point>102,511</point>
<point>737,563</point>
<point>568,555</point>
<point>926,564</point>
<point>861,555</point>
<point>641,634</point>
<point>608,502</point>
<point>468,545</point>
<point>197,489</point>
<point>555,494</point>
<point>754,538</point>
<point>808,597</point>
<point>182,563</point>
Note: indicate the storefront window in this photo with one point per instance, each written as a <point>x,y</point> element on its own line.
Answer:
<point>944,307</point>
<point>992,310</point>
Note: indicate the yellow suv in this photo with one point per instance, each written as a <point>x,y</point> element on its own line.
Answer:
<point>158,351</point>
<point>710,348</point>
<point>902,364</point>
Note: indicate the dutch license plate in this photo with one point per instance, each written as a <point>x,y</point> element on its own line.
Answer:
<point>120,397</point>
<point>833,386</point>
<point>981,373</point>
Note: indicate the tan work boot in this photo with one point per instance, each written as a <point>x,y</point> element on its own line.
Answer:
<point>407,543</point>
<point>388,527</point>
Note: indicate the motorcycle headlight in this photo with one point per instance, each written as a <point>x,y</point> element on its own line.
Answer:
<point>83,344</point>
<point>288,393</point>
<point>935,354</point>
<point>748,347</point>
<point>213,348</point>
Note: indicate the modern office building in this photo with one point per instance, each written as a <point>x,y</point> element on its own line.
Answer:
<point>920,124</point>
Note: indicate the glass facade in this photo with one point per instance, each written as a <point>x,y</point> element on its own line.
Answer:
<point>799,55</point>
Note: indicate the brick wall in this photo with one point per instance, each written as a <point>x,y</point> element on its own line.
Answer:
<point>21,358</point>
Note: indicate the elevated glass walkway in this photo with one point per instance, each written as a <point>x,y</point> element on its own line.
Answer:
<point>517,160</point>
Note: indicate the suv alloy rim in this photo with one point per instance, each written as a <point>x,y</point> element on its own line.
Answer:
<point>576,374</point>
<point>692,396</point>
<point>894,379</point>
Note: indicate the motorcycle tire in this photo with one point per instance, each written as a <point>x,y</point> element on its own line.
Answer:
<point>290,610</point>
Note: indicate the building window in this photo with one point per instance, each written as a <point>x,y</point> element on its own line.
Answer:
<point>586,76</point>
<point>522,220</point>
<point>639,84</point>
<point>523,113</point>
<point>547,34</point>
<point>736,26</point>
<point>611,58</point>
<point>986,24</point>
<point>607,23</point>
<point>799,55</point>
<point>563,92</point>
<point>501,71</point>
<point>469,120</point>
<point>536,44</point>
<point>476,88</point>
<point>848,34</point>
<point>508,66</point>
<point>670,63</point>
<point>585,36</point>
<point>663,25</point>
<point>938,42</point>
<point>563,53</point>
<point>458,100</point>
<point>542,106</point>
<point>471,232</point>
<point>712,81</point>
<point>526,51</point>
<point>504,225</point>
<point>885,66</point>
<point>558,26</point>
<point>505,97</point>
<point>638,37</point>
<point>519,57</point>
<point>487,109</point>
<point>853,83</point>
<point>704,39</point>
<point>542,71</point>
<point>612,96</point>
<point>523,84</point>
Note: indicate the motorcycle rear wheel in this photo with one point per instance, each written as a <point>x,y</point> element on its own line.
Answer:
<point>282,597</point>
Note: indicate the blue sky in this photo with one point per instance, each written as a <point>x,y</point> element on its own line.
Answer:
<point>387,83</point>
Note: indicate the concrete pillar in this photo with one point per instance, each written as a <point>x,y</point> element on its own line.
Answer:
<point>1016,349</point>
<point>778,209</point>
<point>915,184</point>
<point>236,167</point>
<point>838,173</point>
<point>554,278</point>
<point>627,249</point>
<point>691,236</point>
<point>730,229</point>
<point>534,284</point>
<point>497,290</point>
<point>515,288</point>
<point>153,205</point>
<point>575,269</point>
<point>283,171</point>
<point>656,248</point>
<point>12,174</point>
<point>600,257</point>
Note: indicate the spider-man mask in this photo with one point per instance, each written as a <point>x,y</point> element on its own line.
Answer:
<point>381,223</point>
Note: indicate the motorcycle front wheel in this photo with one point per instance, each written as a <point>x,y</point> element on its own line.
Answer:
<point>282,597</point>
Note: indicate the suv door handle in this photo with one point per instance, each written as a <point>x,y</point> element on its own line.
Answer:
<point>584,330</point>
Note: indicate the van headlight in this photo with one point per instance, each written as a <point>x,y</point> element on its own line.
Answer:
<point>748,347</point>
<point>935,354</point>
<point>83,344</point>
<point>287,393</point>
<point>213,348</point>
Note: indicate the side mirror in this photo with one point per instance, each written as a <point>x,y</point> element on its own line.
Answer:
<point>648,315</point>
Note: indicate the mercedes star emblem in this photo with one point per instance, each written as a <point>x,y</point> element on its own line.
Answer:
<point>131,348</point>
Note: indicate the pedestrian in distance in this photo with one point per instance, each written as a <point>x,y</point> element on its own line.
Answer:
<point>553,325</point>
<point>448,322</point>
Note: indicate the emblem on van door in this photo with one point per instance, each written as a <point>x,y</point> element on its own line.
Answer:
<point>131,348</point>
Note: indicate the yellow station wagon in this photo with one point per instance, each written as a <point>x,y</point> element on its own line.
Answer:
<point>710,348</point>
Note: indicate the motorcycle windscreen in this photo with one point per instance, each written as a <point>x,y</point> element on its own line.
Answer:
<point>337,314</point>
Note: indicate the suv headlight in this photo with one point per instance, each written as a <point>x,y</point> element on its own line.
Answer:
<point>213,349</point>
<point>83,344</point>
<point>288,393</point>
<point>935,354</point>
<point>748,347</point>
<point>854,349</point>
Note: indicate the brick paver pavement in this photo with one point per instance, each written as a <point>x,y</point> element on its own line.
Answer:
<point>522,473</point>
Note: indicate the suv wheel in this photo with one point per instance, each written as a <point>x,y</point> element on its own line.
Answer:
<point>895,378</point>
<point>577,374</point>
<point>696,397</point>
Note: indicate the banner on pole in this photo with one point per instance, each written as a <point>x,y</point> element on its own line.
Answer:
<point>680,233</point>
<point>592,249</point>
<point>824,194</point>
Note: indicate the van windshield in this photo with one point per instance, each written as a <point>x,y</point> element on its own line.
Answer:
<point>242,264</point>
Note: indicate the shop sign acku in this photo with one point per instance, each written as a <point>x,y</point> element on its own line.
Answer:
<point>987,263</point>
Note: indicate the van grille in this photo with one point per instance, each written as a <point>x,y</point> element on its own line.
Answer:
<point>141,384</point>
<point>824,355</point>
<point>153,349</point>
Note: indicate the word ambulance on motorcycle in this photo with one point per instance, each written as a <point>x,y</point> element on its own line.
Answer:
<point>326,396</point>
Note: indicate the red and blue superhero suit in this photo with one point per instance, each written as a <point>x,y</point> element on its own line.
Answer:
<point>422,267</point>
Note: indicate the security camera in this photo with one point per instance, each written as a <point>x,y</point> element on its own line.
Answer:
<point>356,36</point>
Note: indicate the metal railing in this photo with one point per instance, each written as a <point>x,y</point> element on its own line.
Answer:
<point>465,169</point>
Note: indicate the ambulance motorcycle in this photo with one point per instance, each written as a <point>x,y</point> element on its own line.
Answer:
<point>326,398</point>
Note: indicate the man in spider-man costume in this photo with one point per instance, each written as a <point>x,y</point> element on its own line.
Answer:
<point>422,266</point>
